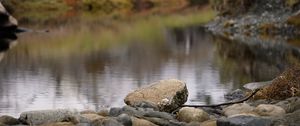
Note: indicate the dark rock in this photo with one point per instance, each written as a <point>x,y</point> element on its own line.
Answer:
<point>115,111</point>
<point>163,115</point>
<point>290,119</point>
<point>244,121</point>
<point>8,120</point>
<point>167,95</point>
<point>125,119</point>
<point>290,104</point>
<point>7,22</point>
<point>145,104</point>
<point>234,95</point>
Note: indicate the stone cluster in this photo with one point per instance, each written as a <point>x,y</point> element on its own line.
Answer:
<point>159,104</point>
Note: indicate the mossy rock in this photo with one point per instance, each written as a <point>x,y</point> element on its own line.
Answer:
<point>284,86</point>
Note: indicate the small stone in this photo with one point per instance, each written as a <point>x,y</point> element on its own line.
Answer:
<point>49,116</point>
<point>125,119</point>
<point>88,112</point>
<point>115,111</point>
<point>269,110</point>
<point>189,114</point>
<point>238,109</point>
<point>209,123</point>
<point>88,118</point>
<point>106,122</point>
<point>194,124</point>
<point>236,94</point>
<point>103,112</point>
<point>141,122</point>
<point>166,95</point>
<point>244,121</point>
<point>8,120</point>
<point>59,124</point>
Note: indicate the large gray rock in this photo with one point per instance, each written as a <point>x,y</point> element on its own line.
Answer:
<point>189,114</point>
<point>7,22</point>
<point>167,95</point>
<point>49,116</point>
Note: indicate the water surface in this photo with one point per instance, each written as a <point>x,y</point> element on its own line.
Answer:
<point>76,66</point>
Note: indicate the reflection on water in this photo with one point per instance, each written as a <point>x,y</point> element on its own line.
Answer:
<point>31,80</point>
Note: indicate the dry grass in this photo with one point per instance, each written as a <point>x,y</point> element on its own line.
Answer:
<point>284,86</point>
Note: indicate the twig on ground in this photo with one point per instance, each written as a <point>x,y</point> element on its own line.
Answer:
<point>222,104</point>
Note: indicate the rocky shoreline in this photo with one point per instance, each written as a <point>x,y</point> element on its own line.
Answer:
<point>161,104</point>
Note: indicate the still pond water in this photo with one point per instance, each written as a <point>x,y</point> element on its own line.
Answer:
<point>71,67</point>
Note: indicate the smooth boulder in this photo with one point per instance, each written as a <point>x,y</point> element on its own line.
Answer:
<point>235,109</point>
<point>167,95</point>
<point>190,114</point>
<point>269,110</point>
